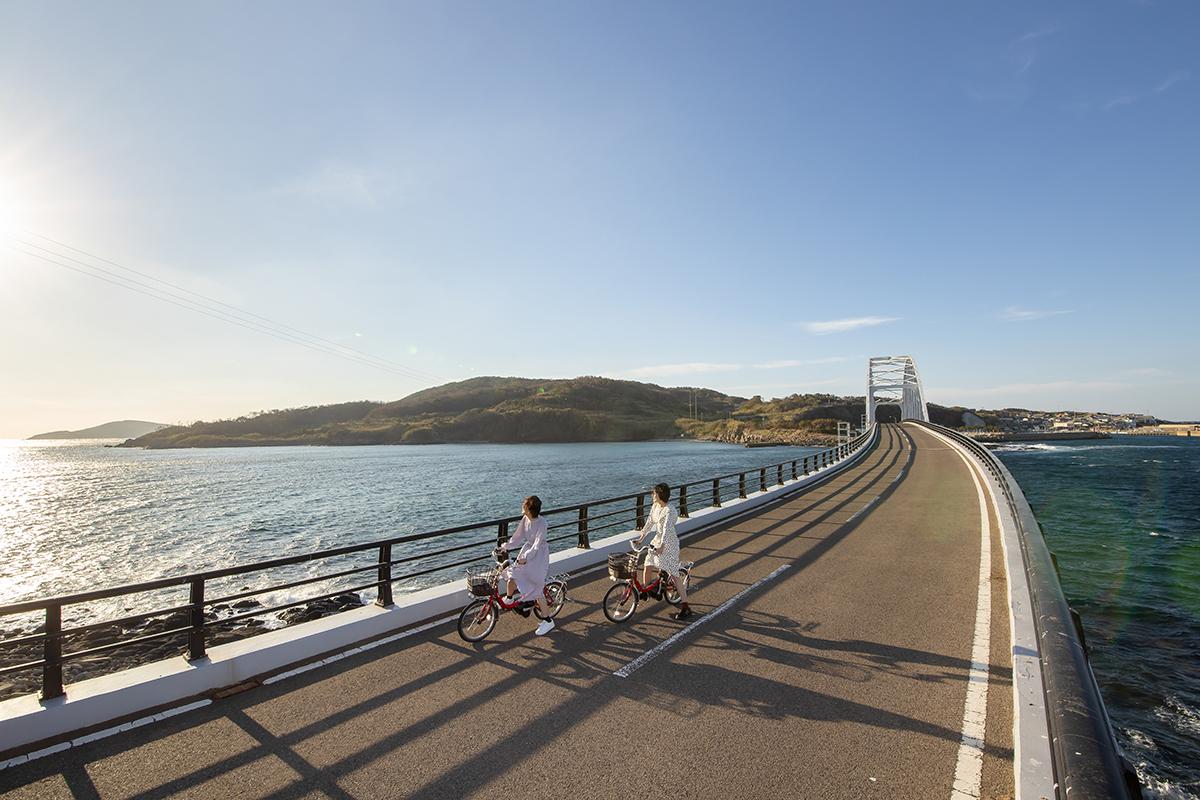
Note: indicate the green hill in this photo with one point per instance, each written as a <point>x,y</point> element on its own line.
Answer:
<point>491,409</point>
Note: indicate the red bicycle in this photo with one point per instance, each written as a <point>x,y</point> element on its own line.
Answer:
<point>478,619</point>
<point>621,600</point>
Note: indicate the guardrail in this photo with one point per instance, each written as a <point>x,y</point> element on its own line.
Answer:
<point>1087,759</point>
<point>578,522</point>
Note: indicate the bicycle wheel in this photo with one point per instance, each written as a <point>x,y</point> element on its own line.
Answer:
<point>477,620</point>
<point>671,594</point>
<point>620,602</point>
<point>555,596</point>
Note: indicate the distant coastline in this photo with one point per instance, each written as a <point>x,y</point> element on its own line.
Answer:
<point>503,410</point>
<point>121,429</point>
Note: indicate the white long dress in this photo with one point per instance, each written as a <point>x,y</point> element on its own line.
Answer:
<point>530,537</point>
<point>666,541</point>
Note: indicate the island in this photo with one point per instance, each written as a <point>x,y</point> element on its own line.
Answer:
<point>121,429</point>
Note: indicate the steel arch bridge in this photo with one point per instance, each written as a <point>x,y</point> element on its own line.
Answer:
<point>893,380</point>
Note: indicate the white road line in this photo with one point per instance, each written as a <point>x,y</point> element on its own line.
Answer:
<point>646,657</point>
<point>968,771</point>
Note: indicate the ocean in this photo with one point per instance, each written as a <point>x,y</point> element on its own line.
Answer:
<point>1123,517</point>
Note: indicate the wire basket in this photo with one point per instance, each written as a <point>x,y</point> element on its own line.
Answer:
<point>481,581</point>
<point>621,566</point>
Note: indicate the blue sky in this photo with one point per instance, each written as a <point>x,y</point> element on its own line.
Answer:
<point>754,198</point>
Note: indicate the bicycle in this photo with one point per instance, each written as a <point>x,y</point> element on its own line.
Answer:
<point>621,600</point>
<point>478,618</point>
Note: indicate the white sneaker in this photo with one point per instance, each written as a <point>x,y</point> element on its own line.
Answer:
<point>545,627</point>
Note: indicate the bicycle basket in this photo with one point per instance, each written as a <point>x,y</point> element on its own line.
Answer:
<point>621,566</point>
<point>481,581</point>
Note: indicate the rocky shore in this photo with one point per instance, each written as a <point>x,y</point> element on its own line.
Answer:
<point>143,652</point>
<point>771,437</point>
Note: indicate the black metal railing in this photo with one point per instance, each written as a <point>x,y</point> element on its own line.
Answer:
<point>1087,760</point>
<point>193,620</point>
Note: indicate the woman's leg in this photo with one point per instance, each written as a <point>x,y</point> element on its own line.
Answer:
<point>681,587</point>
<point>512,587</point>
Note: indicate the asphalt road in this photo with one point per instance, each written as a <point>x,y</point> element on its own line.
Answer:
<point>843,675</point>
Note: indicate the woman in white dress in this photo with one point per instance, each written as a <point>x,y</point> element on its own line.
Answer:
<point>665,556</point>
<point>528,573</point>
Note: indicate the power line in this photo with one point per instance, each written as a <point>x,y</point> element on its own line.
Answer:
<point>235,309</point>
<point>211,307</point>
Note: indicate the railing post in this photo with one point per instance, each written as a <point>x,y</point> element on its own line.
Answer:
<point>584,544</point>
<point>641,511</point>
<point>52,676</point>
<point>683,511</point>
<point>196,647</point>
<point>779,474</point>
<point>717,493</point>
<point>762,479</point>
<point>384,595</point>
<point>805,465</point>
<point>502,534</point>
<point>742,485</point>
<point>794,475</point>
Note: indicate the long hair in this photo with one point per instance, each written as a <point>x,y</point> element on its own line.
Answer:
<point>662,492</point>
<point>532,506</point>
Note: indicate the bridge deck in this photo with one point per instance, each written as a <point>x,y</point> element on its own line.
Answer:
<point>843,676</point>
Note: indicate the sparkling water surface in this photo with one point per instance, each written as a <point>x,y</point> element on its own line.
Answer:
<point>76,515</point>
<point>1123,517</point>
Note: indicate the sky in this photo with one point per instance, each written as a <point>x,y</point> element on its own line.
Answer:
<point>750,197</point>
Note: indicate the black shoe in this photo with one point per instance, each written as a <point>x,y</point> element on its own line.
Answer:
<point>683,613</point>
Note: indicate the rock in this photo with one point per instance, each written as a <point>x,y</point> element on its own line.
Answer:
<point>246,604</point>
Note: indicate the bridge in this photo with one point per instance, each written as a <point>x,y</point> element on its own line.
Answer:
<point>881,619</point>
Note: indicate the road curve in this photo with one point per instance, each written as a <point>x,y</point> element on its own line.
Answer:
<point>830,659</point>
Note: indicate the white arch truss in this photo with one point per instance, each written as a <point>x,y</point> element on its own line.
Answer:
<point>893,380</point>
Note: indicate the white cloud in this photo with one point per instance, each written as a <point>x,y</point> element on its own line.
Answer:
<point>1171,80</point>
<point>1016,314</point>
<point>1123,100</point>
<point>1036,34</point>
<point>690,368</point>
<point>784,364</point>
<point>338,184</point>
<point>843,325</point>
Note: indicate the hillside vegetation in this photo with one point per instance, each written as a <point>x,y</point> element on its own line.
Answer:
<point>516,410</point>
<point>486,409</point>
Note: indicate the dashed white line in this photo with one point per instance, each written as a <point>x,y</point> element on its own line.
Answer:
<point>646,657</point>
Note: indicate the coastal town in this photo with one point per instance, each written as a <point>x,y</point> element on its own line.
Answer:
<point>986,425</point>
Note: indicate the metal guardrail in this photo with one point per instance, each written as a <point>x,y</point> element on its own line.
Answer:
<point>1088,763</point>
<point>579,522</point>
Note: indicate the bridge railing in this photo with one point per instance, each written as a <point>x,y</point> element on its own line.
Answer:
<point>1088,764</point>
<point>187,604</point>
